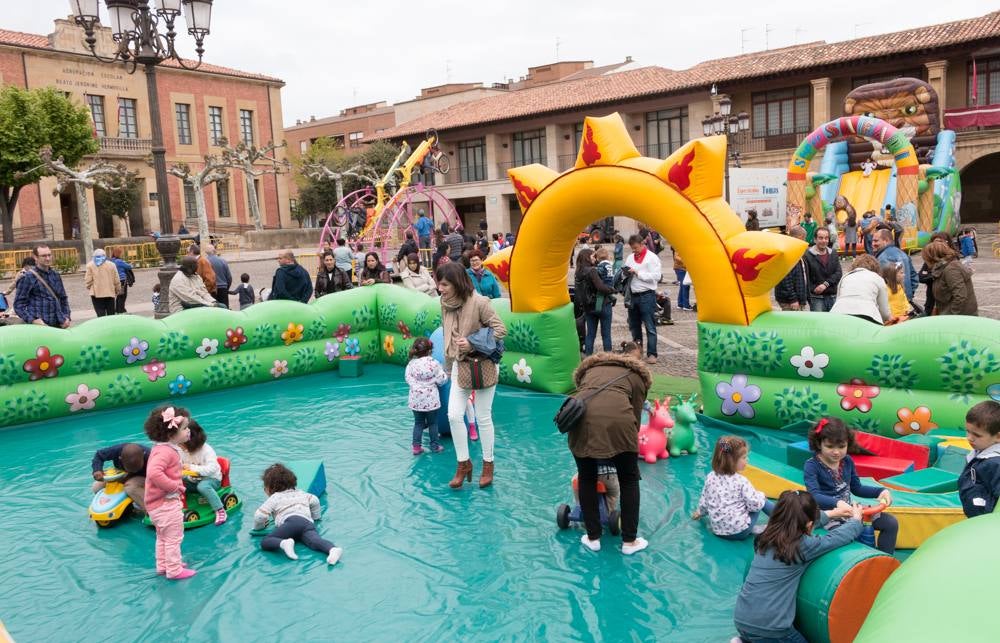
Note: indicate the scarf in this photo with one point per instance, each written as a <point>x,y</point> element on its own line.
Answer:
<point>451,302</point>
<point>639,256</point>
<point>478,273</point>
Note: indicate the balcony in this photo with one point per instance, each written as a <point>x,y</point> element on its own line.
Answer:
<point>471,174</point>
<point>125,147</point>
<point>972,119</point>
<point>777,140</point>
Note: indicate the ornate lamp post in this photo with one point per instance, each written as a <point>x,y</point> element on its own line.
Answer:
<point>136,30</point>
<point>733,126</point>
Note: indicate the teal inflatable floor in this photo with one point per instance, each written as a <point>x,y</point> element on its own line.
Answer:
<point>421,562</point>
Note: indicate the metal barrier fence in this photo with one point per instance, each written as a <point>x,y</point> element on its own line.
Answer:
<point>63,260</point>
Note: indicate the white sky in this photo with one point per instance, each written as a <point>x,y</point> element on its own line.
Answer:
<point>333,55</point>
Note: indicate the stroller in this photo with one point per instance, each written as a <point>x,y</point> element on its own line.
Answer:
<point>662,314</point>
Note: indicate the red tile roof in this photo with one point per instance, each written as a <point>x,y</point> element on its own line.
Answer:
<point>649,81</point>
<point>35,41</point>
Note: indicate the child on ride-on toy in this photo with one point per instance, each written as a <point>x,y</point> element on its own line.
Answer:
<point>293,513</point>
<point>608,476</point>
<point>129,457</point>
<point>201,470</point>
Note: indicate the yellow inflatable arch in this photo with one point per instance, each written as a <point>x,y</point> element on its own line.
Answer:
<point>681,197</point>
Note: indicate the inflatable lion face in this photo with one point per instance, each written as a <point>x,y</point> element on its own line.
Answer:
<point>903,102</point>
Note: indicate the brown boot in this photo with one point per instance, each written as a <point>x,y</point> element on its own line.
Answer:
<point>462,473</point>
<point>486,477</point>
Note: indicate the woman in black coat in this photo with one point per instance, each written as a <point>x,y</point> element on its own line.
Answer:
<point>330,278</point>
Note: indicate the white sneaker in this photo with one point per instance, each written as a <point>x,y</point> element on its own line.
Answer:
<point>640,544</point>
<point>288,546</point>
<point>592,545</point>
<point>335,554</point>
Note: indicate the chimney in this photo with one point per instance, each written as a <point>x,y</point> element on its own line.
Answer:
<point>628,59</point>
<point>312,119</point>
<point>298,121</point>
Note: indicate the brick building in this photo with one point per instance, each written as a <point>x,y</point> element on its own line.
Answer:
<point>196,109</point>
<point>787,93</point>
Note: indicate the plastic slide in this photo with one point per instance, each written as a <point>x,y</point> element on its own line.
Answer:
<point>865,192</point>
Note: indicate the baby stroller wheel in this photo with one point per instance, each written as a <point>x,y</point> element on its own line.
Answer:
<point>615,522</point>
<point>562,516</point>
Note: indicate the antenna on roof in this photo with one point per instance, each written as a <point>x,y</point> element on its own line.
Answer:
<point>767,37</point>
<point>557,48</point>
<point>743,39</point>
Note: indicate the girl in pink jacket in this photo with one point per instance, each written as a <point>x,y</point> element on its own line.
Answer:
<point>167,427</point>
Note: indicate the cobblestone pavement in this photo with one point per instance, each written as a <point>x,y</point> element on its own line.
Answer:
<point>678,344</point>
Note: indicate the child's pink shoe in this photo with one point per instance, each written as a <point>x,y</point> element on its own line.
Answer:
<point>163,572</point>
<point>473,434</point>
<point>417,450</point>
<point>220,517</point>
<point>185,573</point>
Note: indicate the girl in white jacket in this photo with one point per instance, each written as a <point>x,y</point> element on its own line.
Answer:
<point>201,470</point>
<point>424,374</point>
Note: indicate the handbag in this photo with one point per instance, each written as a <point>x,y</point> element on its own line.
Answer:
<point>477,372</point>
<point>573,408</point>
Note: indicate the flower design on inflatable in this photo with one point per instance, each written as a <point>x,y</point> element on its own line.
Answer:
<point>292,334</point>
<point>404,329</point>
<point>208,347</point>
<point>332,351</point>
<point>389,345</point>
<point>180,385</point>
<point>343,330</point>
<point>810,363</point>
<point>916,421</point>
<point>280,368</point>
<point>737,396</point>
<point>522,371</point>
<point>857,395</point>
<point>135,350</point>
<point>352,346</point>
<point>993,390</point>
<point>155,369</point>
<point>235,337</point>
<point>83,399</point>
<point>45,364</point>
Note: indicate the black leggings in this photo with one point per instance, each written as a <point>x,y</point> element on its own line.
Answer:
<point>302,530</point>
<point>627,465</point>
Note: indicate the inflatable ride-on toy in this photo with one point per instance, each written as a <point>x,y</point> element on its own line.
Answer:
<point>197,511</point>
<point>565,516</point>
<point>111,503</point>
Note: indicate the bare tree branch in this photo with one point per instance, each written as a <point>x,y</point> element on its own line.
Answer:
<point>215,169</point>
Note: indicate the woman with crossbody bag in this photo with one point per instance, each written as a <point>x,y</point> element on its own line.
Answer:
<point>609,430</point>
<point>463,313</point>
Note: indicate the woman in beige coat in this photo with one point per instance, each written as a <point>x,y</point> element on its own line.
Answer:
<point>416,277</point>
<point>609,430</point>
<point>101,281</point>
<point>463,312</point>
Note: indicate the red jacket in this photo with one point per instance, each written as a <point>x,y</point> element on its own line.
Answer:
<point>163,475</point>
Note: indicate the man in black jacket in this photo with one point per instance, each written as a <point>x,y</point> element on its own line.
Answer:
<point>291,281</point>
<point>823,270</point>
<point>792,292</point>
<point>409,247</point>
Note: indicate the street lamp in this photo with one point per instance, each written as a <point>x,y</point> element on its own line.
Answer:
<point>136,32</point>
<point>733,126</point>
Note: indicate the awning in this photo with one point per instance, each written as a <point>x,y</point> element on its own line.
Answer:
<point>967,117</point>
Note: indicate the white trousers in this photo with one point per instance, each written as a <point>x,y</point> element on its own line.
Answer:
<point>457,401</point>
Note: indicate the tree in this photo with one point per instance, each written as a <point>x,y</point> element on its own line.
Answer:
<point>215,170</point>
<point>99,174</point>
<point>30,120</point>
<point>324,174</point>
<point>254,162</point>
<point>119,199</point>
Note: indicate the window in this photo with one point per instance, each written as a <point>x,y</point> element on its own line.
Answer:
<point>781,113</point>
<point>987,81</point>
<point>355,138</point>
<point>858,81</point>
<point>183,114</point>
<point>127,125</point>
<point>472,160</point>
<point>577,137</point>
<point>529,147</point>
<point>222,194</point>
<point>666,131</point>
<point>246,126</point>
<point>215,124</point>
<point>96,104</point>
<point>303,147</point>
<point>190,204</point>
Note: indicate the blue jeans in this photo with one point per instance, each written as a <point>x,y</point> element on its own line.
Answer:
<point>683,292</point>
<point>209,490</point>
<point>821,303</point>
<point>592,318</point>
<point>743,535</point>
<point>791,635</point>
<point>422,420</point>
<point>641,313</point>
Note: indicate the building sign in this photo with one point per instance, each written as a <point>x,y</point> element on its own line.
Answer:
<point>760,189</point>
<point>88,79</point>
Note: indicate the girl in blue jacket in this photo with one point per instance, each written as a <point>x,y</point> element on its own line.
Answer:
<point>831,478</point>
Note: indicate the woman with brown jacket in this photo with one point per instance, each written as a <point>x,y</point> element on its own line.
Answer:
<point>953,292</point>
<point>609,430</point>
<point>101,281</point>
<point>463,313</point>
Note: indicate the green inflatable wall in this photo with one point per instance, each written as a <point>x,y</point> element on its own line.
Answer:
<point>114,361</point>
<point>791,366</point>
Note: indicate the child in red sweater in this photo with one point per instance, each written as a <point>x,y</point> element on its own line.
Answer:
<point>167,427</point>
